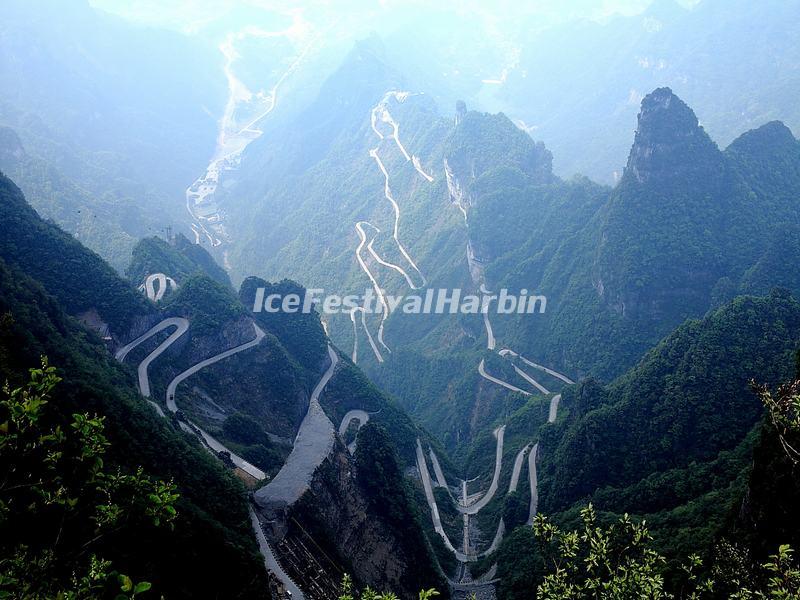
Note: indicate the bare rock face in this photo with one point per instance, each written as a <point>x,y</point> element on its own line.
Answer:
<point>337,510</point>
<point>670,144</point>
<point>658,255</point>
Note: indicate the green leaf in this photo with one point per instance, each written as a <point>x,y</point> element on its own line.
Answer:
<point>125,583</point>
<point>142,586</point>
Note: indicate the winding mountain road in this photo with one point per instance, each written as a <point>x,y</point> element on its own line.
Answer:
<point>387,192</point>
<point>380,114</point>
<point>425,475</point>
<point>164,283</point>
<point>534,481</point>
<point>313,444</point>
<point>505,384</point>
<point>181,326</point>
<point>259,335</point>
<point>520,458</point>
<point>270,562</point>
<point>437,471</point>
<point>553,412</point>
<point>371,341</point>
<point>475,507</point>
<point>359,415</point>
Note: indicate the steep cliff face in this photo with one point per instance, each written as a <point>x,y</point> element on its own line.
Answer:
<point>381,546</point>
<point>663,229</point>
<point>670,145</point>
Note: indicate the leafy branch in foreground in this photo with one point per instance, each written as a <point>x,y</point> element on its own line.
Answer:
<point>783,408</point>
<point>617,562</point>
<point>59,503</point>
<point>348,593</point>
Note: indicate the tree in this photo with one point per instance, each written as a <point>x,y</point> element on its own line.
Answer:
<point>59,504</point>
<point>348,593</point>
<point>617,563</point>
<point>783,408</point>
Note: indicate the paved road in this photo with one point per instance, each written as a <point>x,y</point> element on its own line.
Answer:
<point>371,341</point>
<point>156,294</point>
<point>437,471</point>
<point>473,509</point>
<point>271,562</point>
<point>505,384</point>
<point>512,486</point>
<point>313,444</point>
<point>425,475</point>
<point>556,374</point>
<point>534,481</point>
<point>387,192</point>
<point>361,416</point>
<point>389,265</point>
<point>375,286</point>
<point>210,441</point>
<point>208,362</point>
<point>531,380</point>
<point>498,537</point>
<point>554,401</point>
<point>181,325</point>
<point>237,460</point>
<point>380,114</point>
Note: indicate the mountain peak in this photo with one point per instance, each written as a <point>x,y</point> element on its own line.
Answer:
<point>669,140</point>
<point>771,138</point>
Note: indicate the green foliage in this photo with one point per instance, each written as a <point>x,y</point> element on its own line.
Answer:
<point>251,441</point>
<point>347,592</point>
<point>178,258</point>
<point>77,277</point>
<point>783,408</point>
<point>212,504</point>
<point>245,430</point>
<point>618,562</point>
<point>58,500</point>
<point>301,333</point>
<point>687,400</point>
<point>599,563</point>
<point>206,303</point>
<point>381,479</point>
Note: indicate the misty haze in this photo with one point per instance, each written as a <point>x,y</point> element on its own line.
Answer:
<point>374,300</point>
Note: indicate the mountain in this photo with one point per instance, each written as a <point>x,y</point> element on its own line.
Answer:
<point>405,200</point>
<point>672,440</point>
<point>116,119</point>
<point>85,286</point>
<point>249,399</point>
<point>620,267</point>
<point>212,503</point>
<point>177,256</point>
<point>686,221</point>
<point>104,225</point>
<point>577,84</point>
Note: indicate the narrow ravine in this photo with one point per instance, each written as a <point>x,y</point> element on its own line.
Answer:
<point>207,216</point>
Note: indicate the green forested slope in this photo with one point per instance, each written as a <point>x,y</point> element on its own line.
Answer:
<point>212,505</point>
<point>74,275</point>
<point>177,258</point>
<point>673,441</point>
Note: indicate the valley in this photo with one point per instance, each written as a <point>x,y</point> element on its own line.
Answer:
<point>604,204</point>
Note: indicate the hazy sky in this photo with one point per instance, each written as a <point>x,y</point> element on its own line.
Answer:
<point>191,15</point>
